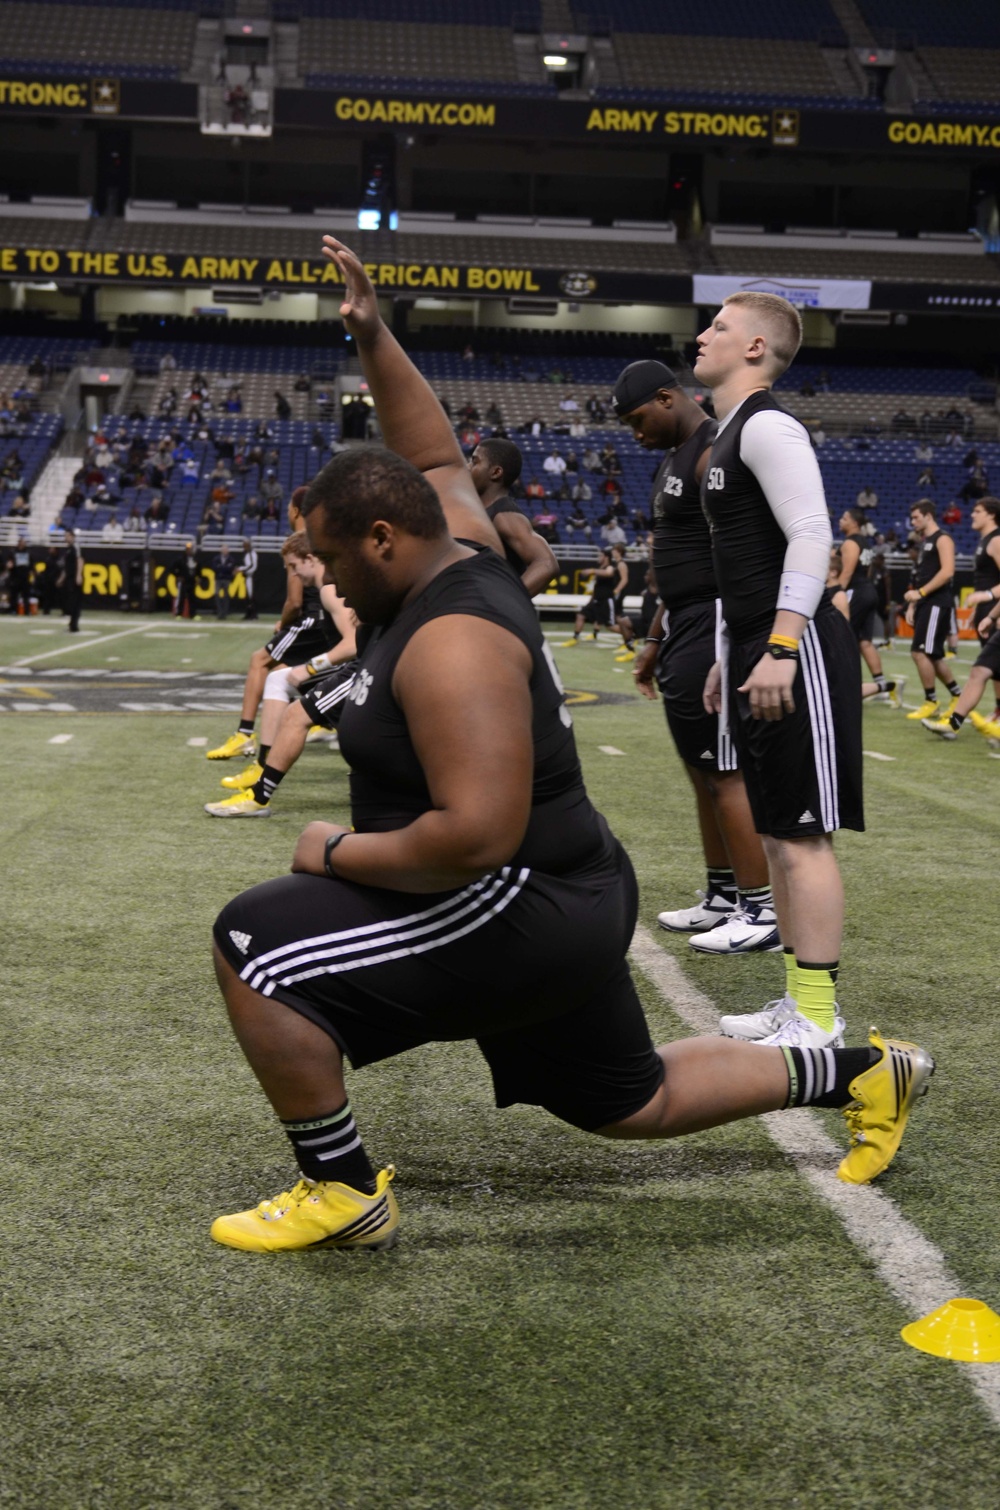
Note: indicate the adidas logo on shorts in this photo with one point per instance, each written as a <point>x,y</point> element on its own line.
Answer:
<point>806,817</point>
<point>241,940</point>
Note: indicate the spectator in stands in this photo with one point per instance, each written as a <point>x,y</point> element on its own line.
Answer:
<point>554,464</point>
<point>263,430</point>
<point>547,525</point>
<point>168,362</point>
<point>577,428</point>
<point>572,462</point>
<point>867,499</point>
<point>595,409</point>
<point>493,415</point>
<point>610,460</point>
<point>581,491</point>
<point>303,383</point>
<point>952,514</point>
<point>537,425</point>
<point>234,401</point>
<point>468,412</point>
<point>569,405</point>
<point>534,489</point>
<point>135,522</point>
<point>156,515</point>
<point>20,508</point>
<point>927,478</point>
<point>923,451</point>
<point>613,534</point>
<point>12,473</point>
<point>806,389</point>
<point>271,489</point>
<point>976,484</point>
<point>577,523</point>
<point>37,366</point>
<point>818,436</point>
<point>591,460</point>
<point>282,407</point>
<point>903,423</point>
<point>112,532</point>
<point>189,471</point>
<point>252,507</point>
<point>238,105</point>
<point>640,521</point>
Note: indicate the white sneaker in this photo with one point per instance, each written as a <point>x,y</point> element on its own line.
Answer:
<point>798,1032</point>
<point>713,909</point>
<point>753,1026</point>
<point>745,931</point>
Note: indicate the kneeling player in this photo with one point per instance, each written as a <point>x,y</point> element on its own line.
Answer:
<point>473,838</point>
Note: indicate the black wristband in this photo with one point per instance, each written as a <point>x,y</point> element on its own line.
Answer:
<point>782,653</point>
<point>328,849</point>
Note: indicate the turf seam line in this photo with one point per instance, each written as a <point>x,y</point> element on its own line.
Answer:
<point>911,1265</point>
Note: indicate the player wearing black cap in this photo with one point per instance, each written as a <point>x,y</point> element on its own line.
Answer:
<point>736,913</point>
<point>791,663</point>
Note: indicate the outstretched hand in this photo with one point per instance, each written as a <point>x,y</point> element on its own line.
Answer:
<point>359,310</point>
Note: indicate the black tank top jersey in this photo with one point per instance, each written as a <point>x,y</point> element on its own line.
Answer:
<point>682,543</point>
<point>506,506</point>
<point>388,789</point>
<point>315,620</point>
<point>604,588</point>
<point>748,546</point>
<point>928,565</point>
<point>985,572</point>
<point>865,553</point>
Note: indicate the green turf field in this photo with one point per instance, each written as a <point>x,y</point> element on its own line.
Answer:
<point>565,1323</point>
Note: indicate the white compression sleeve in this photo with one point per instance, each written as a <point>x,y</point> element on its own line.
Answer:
<point>776,449</point>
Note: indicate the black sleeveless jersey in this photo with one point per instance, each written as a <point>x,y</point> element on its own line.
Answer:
<point>928,565</point>
<point>388,789</point>
<point>985,572</point>
<point>682,544</point>
<point>748,546</point>
<point>506,505</point>
<point>314,618</point>
<point>603,588</point>
<point>865,554</point>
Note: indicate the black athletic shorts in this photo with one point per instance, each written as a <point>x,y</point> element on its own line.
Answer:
<point>864,608</point>
<point>803,772</point>
<point>530,966</point>
<point>932,626</point>
<point>599,611</point>
<point>298,643</point>
<point>324,697</point>
<point>989,656</point>
<point>687,655</point>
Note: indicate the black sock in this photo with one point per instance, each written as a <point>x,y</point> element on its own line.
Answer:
<point>930,694</point>
<point>756,896</point>
<point>722,881</point>
<point>956,720</point>
<point>246,727</point>
<point>881,682</point>
<point>267,784</point>
<point>263,753</point>
<point>822,1077</point>
<point>954,690</point>
<point>329,1148</point>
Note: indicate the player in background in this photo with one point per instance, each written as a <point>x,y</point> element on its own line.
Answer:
<point>856,558</point>
<point>788,656</point>
<point>736,913</point>
<point>495,466</point>
<point>930,604</point>
<point>986,602</point>
<point>263,661</point>
<point>473,838</point>
<point>254,787</point>
<point>634,629</point>
<point>842,603</point>
<point>599,608</point>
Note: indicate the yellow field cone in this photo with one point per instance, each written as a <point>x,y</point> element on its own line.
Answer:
<point>966,1330</point>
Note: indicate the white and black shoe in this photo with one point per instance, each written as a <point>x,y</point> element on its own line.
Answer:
<point>798,1032</point>
<point>713,909</point>
<point>747,930</point>
<point>752,1027</point>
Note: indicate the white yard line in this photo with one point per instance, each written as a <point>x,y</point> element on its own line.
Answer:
<point>105,639</point>
<point>912,1267</point>
<point>877,755</point>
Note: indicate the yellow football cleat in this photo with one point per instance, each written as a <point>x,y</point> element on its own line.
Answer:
<point>883,1096</point>
<point>952,705</point>
<point>316,1214</point>
<point>239,805</point>
<point>236,744</point>
<point>940,726</point>
<point>567,644</point>
<point>316,733</point>
<point>245,778</point>
<point>625,655</point>
<point>895,693</point>
<point>929,709</point>
<point>988,727</point>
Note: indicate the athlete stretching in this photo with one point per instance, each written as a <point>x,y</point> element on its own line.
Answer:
<point>930,604</point>
<point>790,660</point>
<point>495,466</point>
<point>855,560</point>
<point>479,894</point>
<point>736,913</point>
<point>984,599</point>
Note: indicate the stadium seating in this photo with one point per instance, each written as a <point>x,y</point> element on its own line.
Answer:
<point>741,68</point>
<point>140,42</point>
<point>720,18</point>
<point>974,23</point>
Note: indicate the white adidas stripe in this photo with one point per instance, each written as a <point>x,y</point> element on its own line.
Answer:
<point>356,948</point>
<point>821,720</point>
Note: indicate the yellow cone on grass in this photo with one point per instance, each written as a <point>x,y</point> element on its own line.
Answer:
<point>966,1330</point>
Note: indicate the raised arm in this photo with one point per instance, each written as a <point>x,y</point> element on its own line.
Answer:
<point>413,423</point>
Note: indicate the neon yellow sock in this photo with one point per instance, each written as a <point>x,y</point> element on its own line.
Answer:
<point>791,975</point>
<point>816,993</point>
